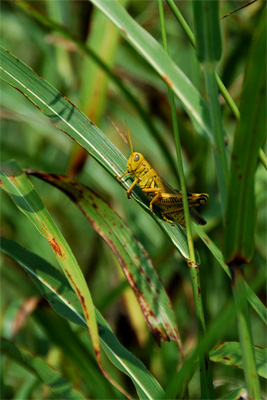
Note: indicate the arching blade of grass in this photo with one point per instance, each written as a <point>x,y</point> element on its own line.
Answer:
<point>66,117</point>
<point>131,98</point>
<point>230,353</point>
<point>47,375</point>
<point>236,394</point>
<point>19,188</point>
<point>57,290</point>
<point>134,260</point>
<point>156,57</point>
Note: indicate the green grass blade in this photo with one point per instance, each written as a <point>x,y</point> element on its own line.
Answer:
<point>252,298</point>
<point>207,31</point>
<point>208,44</point>
<point>88,51</point>
<point>21,191</point>
<point>236,394</point>
<point>250,135</point>
<point>245,334</point>
<point>47,375</point>
<point>66,117</point>
<point>230,353</point>
<point>256,303</point>
<point>205,373</point>
<point>226,95</point>
<point>56,288</point>
<point>135,262</point>
<point>154,54</point>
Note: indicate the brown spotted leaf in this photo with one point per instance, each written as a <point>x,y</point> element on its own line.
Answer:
<point>134,260</point>
<point>19,188</point>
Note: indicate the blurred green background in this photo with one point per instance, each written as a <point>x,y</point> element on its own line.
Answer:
<point>28,137</point>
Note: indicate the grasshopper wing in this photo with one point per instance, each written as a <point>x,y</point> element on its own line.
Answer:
<point>196,217</point>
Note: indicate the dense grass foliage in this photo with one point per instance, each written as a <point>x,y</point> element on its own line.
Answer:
<point>93,282</point>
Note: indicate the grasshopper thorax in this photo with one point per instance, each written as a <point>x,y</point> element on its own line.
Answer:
<point>135,160</point>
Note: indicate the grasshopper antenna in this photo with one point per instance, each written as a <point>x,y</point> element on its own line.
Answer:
<point>122,135</point>
<point>129,136</point>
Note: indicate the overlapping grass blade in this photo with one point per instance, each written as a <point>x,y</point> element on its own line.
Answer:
<point>134,260</point>
<point>66,117</point>
<point>250,135</point>
<point>21,191</point>
<point>156,57</point>
<point>230,353</point>
<point>88,51</point>
<point>47,375</point>
<point>57,290</point>
<point>209,48</point>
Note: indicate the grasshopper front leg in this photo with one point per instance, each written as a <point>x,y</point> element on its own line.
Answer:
<point>129,191</point>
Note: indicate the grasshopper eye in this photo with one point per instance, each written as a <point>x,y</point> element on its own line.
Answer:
<point>136,157</point>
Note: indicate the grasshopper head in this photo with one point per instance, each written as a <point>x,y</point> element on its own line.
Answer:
<point>134,161</point>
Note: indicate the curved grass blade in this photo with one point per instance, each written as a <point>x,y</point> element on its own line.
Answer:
<point>237,394</point>
<point>47,375</point>
<point>230,353</point>
<point>66,117</point>
<point>21,191</point>
<point>48,22</point>
<point>134,260</point>
<point>154,54</point>
<point>57,290</point>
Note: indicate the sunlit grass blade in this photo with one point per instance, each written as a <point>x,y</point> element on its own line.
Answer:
<point>66,117</point>
<point>21,191</point>
<point>156,57</point>
<point>57,290</point>
<point>47,375</point>
<point>86,50</point>
<point>133,258</point>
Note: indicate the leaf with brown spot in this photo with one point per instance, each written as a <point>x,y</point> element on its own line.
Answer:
<point>135,262</point>
<point>230,353</point>
<point>22,192</point>
<point>57,290</point>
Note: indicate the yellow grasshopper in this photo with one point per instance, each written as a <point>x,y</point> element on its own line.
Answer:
<point>160,193</point>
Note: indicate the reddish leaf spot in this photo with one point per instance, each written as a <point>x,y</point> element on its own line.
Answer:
<point>226,358</point>
<point>166,79</point>
<point>240,176</point>
<point>124,31</point>
<point>206,240</point>
<point>56,247</point>
<point>95,205</point>
<point>234,157</point>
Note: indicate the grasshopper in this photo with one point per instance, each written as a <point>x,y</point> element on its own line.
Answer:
<point>160,193</point>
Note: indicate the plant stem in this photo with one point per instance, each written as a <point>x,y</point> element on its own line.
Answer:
<point>205,372</point>
<point>245,333</point>
<point>226,95</point>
